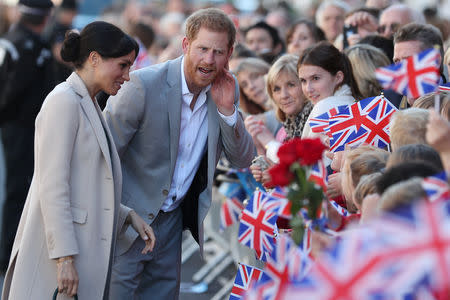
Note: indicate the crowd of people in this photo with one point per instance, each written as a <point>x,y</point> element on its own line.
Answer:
<point>113,131</point>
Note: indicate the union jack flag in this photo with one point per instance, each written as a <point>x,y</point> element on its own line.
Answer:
<point>321,122</point>
<point>420,240</point>
<point>230,211</point>
<point>436,187</point>
<point>258,225</point>
<point>366,121</point>
<point>277,201</point>
<point>286,265</point>
<point>319,175</point>
<point>342,211</point>
<point>403,253</point>
<point>351,269</point>
<point>445,88</point>
<point>415,76</point>
<point>246,277</point>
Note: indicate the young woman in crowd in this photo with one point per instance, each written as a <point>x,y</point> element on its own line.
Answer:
<point>327,80</point>
<point>250,75</point>
<point>73,213</point>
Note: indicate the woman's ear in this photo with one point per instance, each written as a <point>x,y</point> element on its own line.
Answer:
<point>94,58</point>
<point>339,77</point>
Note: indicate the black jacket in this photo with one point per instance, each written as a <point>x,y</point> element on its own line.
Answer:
<point>26,76</point>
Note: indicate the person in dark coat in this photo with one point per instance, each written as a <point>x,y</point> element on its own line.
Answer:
<point>25,80</point>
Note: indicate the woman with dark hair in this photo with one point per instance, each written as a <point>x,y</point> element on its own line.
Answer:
<point>67,232</point>
<point>301,35</point>
<point>327,80</point>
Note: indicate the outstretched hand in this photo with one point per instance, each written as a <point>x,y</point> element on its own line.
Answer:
<point>222,92</point>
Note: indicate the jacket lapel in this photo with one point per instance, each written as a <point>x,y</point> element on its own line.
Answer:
<point>174,99</point>
<point>88,107</point>
<point>213,135</point>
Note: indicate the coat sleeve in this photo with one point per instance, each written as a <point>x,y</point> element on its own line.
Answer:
<point>59,117</point>
<point>124,112</point>
<point>237,142</point>
<point>123,214</point>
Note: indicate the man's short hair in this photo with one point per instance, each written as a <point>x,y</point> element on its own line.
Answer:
<point>212,19</point>
<point>427,34</point>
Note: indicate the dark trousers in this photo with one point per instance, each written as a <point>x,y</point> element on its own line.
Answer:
<point>18,146</point>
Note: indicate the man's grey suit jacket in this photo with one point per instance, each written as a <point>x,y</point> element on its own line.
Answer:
<point>144,119</point>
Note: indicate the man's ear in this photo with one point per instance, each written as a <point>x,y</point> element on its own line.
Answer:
<point>185,45</point>
<point>230,51</point>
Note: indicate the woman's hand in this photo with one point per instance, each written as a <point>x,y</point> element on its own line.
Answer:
<point>256,172</point>
<point>438,131</point>
<point>334,187</point>
<point>67,276</point>
<point>144,230</point>
<point>266,178</point>
<point>254,126</point>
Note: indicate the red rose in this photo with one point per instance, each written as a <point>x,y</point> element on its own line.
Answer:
<point>310,151</point>
<point>280,175</point>
<point>287,152</point>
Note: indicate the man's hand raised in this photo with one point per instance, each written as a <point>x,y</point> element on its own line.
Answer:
<point>222,92</point>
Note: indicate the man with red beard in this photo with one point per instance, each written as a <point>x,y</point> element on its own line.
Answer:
<point>170,124</point>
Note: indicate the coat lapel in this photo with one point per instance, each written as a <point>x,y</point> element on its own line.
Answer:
<point>88,107</point>
<point>174,99</point>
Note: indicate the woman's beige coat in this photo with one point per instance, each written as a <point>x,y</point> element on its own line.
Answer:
<point>73,205</point>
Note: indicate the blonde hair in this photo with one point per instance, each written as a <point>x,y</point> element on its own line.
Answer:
<point>427,102</point>
<point>408,126</point>
<point>352,155</point>
<point>212,19</point>
<point>367,163</point>
<point>365,59</point>
<point>285,64</point>
<point>366,186</point>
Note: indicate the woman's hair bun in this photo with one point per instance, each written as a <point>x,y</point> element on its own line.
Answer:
<point>70,50</point>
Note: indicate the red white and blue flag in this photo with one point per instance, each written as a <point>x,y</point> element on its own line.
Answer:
<point>444,88</point>
<point>366,121</point>
<point>436,187</point>
<point>321,122</point>
<point>319,175</point>
<point>414,76</point>
<point>286,265</point>
<point>246,277</point>
<point>230,211</point>
<point>403,253</point>
<point>258,225</point>
<point>342,211</point>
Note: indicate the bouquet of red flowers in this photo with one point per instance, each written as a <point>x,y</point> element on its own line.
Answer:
<point>296,158</point>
